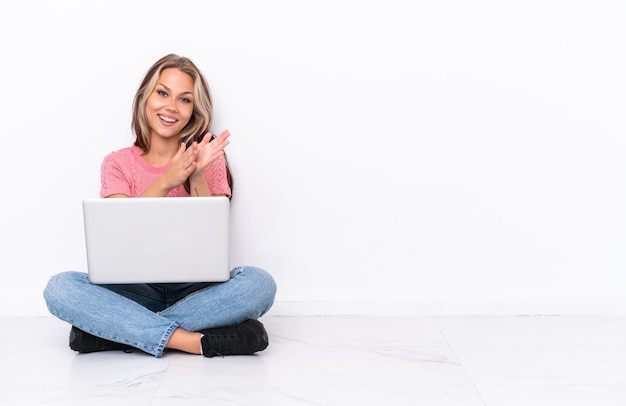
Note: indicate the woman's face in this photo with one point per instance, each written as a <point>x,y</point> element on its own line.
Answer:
<point>170,105</point>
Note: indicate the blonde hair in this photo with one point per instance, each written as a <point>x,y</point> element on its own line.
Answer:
<point>202,115</point>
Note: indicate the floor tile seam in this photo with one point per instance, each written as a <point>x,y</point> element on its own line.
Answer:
<point>465,371</point>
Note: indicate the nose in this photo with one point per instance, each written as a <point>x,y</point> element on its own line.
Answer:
<point>172,106</point>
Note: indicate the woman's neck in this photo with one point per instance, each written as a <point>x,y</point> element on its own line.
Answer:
<point>161,151</point>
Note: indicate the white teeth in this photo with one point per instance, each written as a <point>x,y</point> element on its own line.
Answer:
<point>169,120</point>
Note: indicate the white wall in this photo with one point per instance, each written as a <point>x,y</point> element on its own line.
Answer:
<point>427,157</point>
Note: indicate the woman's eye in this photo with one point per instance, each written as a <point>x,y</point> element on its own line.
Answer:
<point>161,93</point>
<point>185,100</point>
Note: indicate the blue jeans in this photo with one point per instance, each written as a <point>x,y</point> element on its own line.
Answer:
<point>145,315</point>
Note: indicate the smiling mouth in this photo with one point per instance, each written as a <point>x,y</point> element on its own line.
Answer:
<point>168,119</point>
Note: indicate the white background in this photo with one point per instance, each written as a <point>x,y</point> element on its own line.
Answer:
<point>426,157</point>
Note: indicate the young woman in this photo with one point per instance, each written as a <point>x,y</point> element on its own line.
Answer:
<point>173,155</point>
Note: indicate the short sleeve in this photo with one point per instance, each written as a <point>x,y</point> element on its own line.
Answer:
<point>113,179</point>
<point>216,177</point>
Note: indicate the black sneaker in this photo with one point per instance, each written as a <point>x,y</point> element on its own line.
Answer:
<point>241,339</point>
<point>84,342</point>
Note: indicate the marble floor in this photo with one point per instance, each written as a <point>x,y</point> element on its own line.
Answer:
<point>540,360</point>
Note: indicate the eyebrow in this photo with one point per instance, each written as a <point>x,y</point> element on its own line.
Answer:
<point>170,90</point>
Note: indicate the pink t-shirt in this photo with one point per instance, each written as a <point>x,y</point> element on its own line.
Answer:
<point>125,171</point>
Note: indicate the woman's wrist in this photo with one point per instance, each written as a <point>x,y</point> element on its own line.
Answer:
<point>198,186</point>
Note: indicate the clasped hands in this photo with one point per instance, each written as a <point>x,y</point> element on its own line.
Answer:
<point>193,160</point>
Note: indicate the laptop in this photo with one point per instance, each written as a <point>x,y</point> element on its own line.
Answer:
<point>157,239</point>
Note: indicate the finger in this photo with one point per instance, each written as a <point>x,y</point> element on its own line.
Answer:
<point>188,170</point>
<point>222,140</point>
<point>180,152</point>
<point>207,138</point>
<point>191,168</point>
<point>224,144</point>
<point>191,149</point>
<point>191,157</point>
<point>224,135</point>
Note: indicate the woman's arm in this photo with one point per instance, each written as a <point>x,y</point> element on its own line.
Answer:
<point>198,186</point>
<point>183,165</point>
<point>208,152</point>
